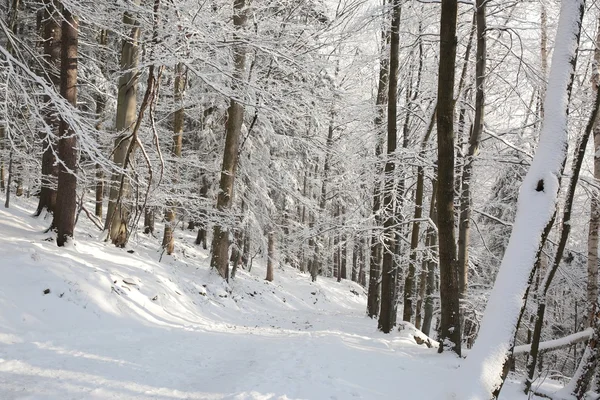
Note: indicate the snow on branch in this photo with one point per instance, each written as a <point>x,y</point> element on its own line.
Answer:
<point>557,343</point>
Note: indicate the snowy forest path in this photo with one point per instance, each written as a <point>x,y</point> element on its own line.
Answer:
<point>94,322</point>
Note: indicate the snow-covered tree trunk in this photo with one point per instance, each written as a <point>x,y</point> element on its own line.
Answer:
<point>482,371</point>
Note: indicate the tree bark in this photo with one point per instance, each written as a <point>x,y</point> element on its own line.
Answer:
<point>117,216</point>
<point>429,264</point>
<point>51,35</point>
<point>376,248</point>
<point>450,332</point>
<point>414,239</point>
<point>388,283</point>
<point>475,137</point>
<point>235,116</point>
<point>168,242</point>
<point>66,196</point>
<point>100,107</point>
<point>594,226</point>
<point>270,256</point>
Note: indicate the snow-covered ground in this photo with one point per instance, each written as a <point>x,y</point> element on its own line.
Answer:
<point>95,322</point>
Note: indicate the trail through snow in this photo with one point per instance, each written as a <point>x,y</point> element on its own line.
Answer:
<point>95,322</point>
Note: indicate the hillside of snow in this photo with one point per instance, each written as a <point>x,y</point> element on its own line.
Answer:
<point>92,321</point>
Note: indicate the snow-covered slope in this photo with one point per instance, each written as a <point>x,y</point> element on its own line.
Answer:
<point>95,322</point>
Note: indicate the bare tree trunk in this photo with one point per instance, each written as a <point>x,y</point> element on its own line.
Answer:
<point>235,118</point>
<point>66,196</point>
<point>592,262</point>
<point>429,263</point>
<point>2,170</point>
<point>344,257</point>
<point>201,238</point>
<point>376,248</point>
<point>117,216</point>
<point>414,239</point>
<point>51,35</point>
<point>465,201</point>
<point>450,332</point>
<point>100,107</point>
<point>168,242</point>
<point>388,283</point>
<point>270,256</point>
<point>149,220</point>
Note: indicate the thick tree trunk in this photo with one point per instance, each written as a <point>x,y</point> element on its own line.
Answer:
<point>117,216</point>
<point>450,332</point>
<point>388,283</point>
<point>235,118</point>
<point>51,35</point>
<point>64,216</point>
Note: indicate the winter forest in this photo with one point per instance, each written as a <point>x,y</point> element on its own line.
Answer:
<point>299,199</point>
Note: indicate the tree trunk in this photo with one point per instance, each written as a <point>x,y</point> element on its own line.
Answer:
<point>66,196</point>
<point>564,235</point>
<point>100,107</point>
<point>476,131</point>
<point>376,248</point>
<point>414,239</point>
<point>149,220</point>
<point>344,256</point>
<point>449,319</point>
<point>535,210</point>
<point>270,256</point>
<point>429,263</point>
<point>594,226</point>
<point>51,35</point>
<point>168,242</point>
<point>117,216</point>
<point>388,283</point>
<point>235,117</point>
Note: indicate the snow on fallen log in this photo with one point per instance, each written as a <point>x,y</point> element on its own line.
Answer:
<point>557,343</point>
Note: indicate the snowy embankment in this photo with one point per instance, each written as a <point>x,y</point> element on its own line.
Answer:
<point>95,322</point>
